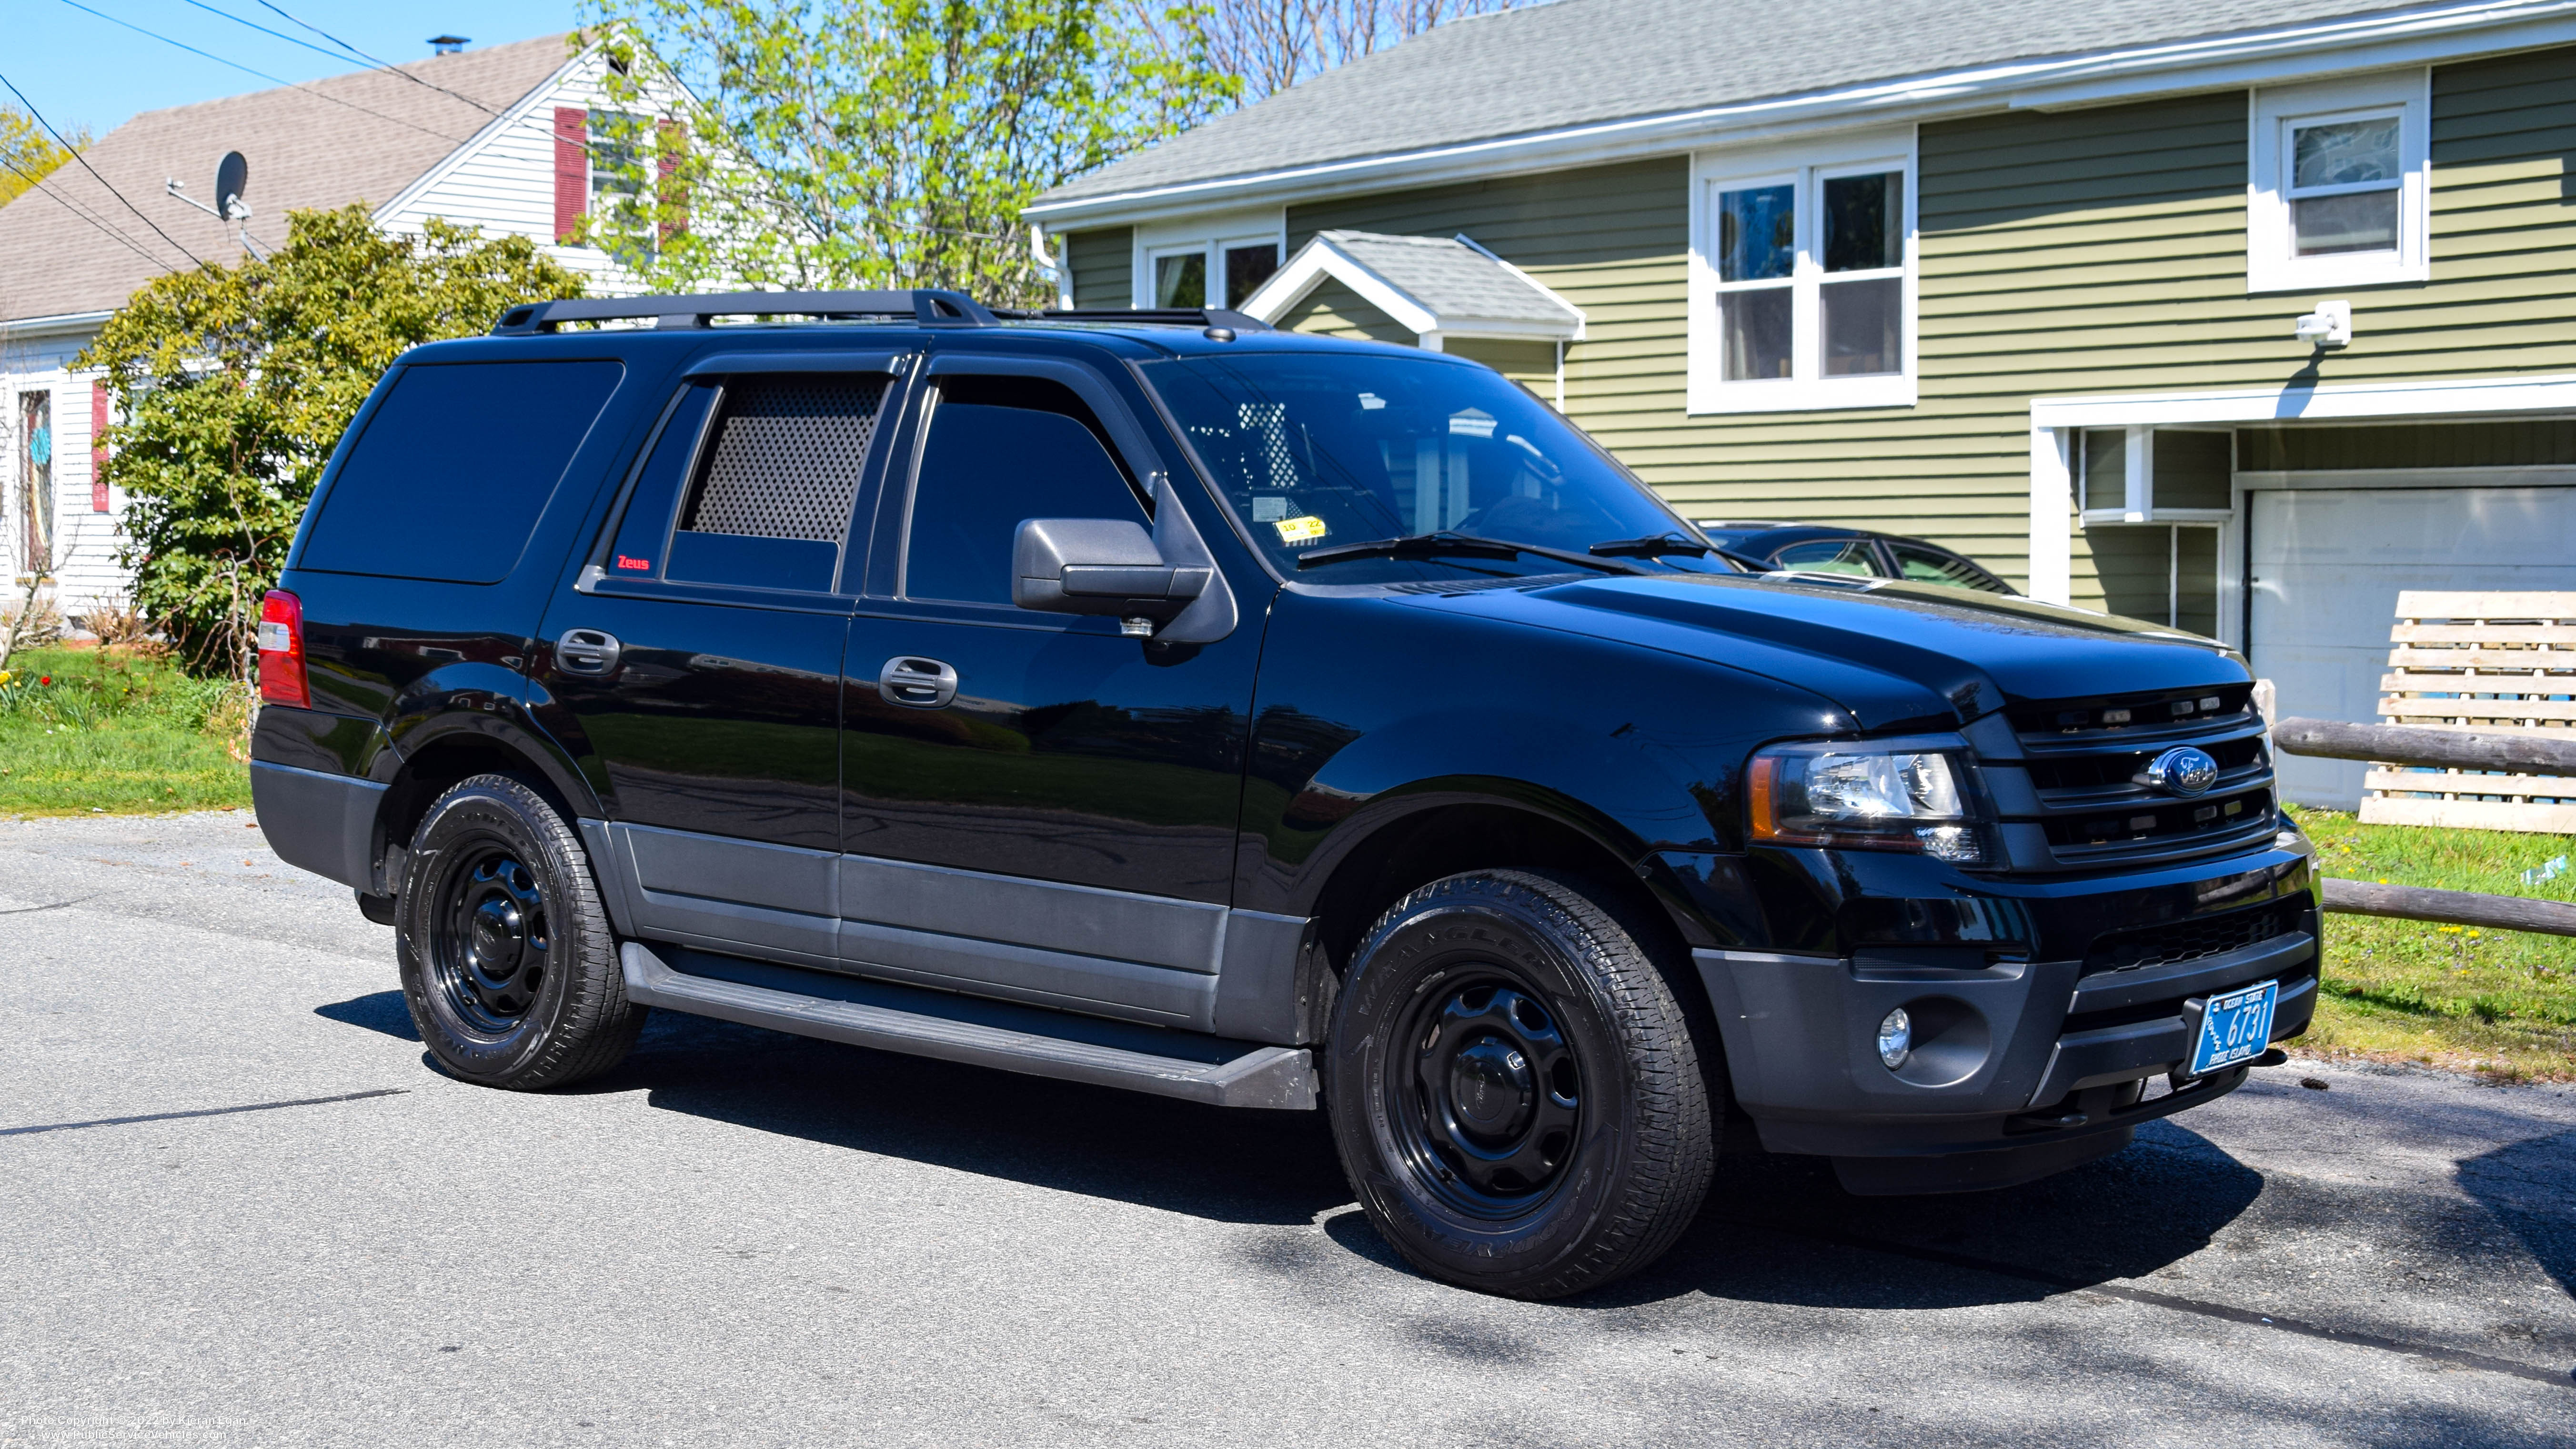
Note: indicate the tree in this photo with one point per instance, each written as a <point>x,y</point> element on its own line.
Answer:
<point>872,143</point>
<point>235,383</point>
<point>27,154</point>
<point>1270,45</point>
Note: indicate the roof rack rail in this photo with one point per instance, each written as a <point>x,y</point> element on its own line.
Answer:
<point>927,305</point>
<point>1168,316</point>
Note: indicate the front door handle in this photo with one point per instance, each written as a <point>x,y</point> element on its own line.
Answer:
<point>917,683</point>
<point>587,651</point>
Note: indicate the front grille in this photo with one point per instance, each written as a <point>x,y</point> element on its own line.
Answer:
<point>2189,941</point>
<point>2086,803</point>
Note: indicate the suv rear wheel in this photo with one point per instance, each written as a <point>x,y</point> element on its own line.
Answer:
<point>508,962</point>
<point>1514,1089</point>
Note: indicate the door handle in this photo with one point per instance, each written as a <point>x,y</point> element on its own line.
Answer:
<point>917,683</point>
<point>587,651</point>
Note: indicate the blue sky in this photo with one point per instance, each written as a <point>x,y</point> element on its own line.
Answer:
<point>80,69</point>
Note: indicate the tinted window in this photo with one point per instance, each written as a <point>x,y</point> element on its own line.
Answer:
<point>1321,449</point>
<point>1829,556</point>
<point>454,468</point>
<point>1924,566</point>
<point>763,494</point>
<point>1003,449</point>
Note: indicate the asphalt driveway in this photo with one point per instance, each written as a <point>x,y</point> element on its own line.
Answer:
<point>237,1208</point>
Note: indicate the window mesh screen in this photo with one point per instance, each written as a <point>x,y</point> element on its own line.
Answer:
<point>787,456</point>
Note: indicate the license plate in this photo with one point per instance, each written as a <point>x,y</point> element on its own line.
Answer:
<point>2235,1027</point>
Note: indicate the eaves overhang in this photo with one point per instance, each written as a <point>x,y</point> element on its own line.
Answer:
<point>64,324</point>
<point>2422,36</point>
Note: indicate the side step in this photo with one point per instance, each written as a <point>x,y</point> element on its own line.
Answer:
<point>970,1029</point>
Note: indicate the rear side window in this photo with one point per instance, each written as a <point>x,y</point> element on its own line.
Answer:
<point>455,467</point>
<point>768,501</point>
<point>1003,449</point>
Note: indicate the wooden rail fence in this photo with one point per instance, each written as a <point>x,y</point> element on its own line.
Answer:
<point>2444,749</point>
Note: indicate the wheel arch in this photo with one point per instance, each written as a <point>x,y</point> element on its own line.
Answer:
<point>441,750</point>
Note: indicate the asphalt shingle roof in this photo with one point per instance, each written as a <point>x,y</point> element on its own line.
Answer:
<point>359,137</point>
<point>1451,279</point>
<point>1584,62</point>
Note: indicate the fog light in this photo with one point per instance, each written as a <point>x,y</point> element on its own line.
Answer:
<point>1954,843</point>
<point>1895,1038</point>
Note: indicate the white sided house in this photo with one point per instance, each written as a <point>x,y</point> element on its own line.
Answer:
<point>496,138</point>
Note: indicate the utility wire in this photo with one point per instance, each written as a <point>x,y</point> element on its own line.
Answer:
<point>35,183</point>
<point>93,171</point>
<point>264,75</point>
<point>362,55</point>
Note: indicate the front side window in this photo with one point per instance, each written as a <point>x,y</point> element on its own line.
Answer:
<point>1829,556</point>
<point>2337,190</point>
<point>1807,278</point>
<point>1001,450</point>
<point>1317,450</point>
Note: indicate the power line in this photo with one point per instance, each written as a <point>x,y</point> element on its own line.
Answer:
<point>35,183</point>
<point>371,60</point>
<point>93,171</point>
<point>264,75</point>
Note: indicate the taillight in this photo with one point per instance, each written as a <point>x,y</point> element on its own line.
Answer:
<point>281,650</point>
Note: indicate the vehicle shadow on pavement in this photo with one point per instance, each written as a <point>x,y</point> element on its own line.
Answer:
<point>1223,1164</point>
<point>1776,1229</point>
<point>377,1011</point>
<point>1782,1230</point>
<point>2525,1184</point>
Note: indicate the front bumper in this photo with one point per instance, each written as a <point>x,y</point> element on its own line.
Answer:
<point>2031,1054</point>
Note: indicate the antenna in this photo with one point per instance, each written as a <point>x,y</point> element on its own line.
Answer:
<point>232,176</point>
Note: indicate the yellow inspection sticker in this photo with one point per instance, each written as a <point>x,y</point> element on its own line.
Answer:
<point>1299,530</point>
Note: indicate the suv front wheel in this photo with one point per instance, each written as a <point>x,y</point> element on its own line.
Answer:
<point>1514,1089</point>
<point>508,961</point>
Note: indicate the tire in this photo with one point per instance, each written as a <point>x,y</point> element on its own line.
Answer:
<point>508,961</point>
<point>1514,1089</point>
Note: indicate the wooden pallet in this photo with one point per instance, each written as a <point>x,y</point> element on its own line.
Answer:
<point>2482,661</point>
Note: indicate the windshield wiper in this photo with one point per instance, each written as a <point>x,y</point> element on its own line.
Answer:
<point>1653,545</point>
<point>1457,545</point>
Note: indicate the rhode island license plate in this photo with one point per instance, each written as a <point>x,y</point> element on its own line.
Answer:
<point>2235,1027</point>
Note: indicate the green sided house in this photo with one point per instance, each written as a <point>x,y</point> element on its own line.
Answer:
<point>2239,315</point>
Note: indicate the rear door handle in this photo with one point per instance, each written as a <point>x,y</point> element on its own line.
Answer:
<point>917,683</point>
<point>587,651</point>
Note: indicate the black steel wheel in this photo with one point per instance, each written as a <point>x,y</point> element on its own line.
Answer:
<point>1489,1115</point>
<point>509,964</point>
<point>1514,1088</point>
<point>490,942</point>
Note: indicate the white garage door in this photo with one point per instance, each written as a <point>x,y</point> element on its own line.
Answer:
<point>2327,565</point>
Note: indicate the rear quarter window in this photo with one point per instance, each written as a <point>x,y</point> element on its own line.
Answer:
<point>455,467</point>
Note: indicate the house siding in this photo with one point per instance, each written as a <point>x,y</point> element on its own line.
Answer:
<point>2090,251</point>
<point>1334,310</point>
<point>1104,267</point>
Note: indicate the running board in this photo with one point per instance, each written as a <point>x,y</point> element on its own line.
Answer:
<point>973,1030</point>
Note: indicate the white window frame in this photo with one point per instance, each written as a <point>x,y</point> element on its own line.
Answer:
<point>1807,166</point>
<point>1209,236</point>
<point>2274,111</point>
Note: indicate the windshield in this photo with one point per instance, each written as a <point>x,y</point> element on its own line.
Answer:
<point>1320,450</point>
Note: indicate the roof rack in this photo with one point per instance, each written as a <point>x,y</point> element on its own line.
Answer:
<point>925,305</point>
<point>1164,316</point>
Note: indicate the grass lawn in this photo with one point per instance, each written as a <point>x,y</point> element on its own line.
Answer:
<point>115,732</point>
<point>2502,1003</point>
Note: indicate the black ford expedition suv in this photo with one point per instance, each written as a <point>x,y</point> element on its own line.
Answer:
<point>1160,701</point>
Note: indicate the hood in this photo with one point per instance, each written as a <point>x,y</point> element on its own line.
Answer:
<point>1895,655</point>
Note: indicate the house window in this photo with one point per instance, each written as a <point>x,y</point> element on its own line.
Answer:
<point>2336,192</point>
<point>1181,274</point>
<point>1806,285</point>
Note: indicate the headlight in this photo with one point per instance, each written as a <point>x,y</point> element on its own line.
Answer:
<point>1873,799</point>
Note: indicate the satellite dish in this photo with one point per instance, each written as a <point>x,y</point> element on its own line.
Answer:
<point>231,175</point>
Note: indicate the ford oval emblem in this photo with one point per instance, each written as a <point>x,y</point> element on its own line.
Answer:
<point>2183,771</point>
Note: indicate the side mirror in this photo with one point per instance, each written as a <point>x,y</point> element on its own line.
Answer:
<point>1101,566</point>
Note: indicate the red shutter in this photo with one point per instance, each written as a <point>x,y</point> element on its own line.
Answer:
<point>98,447</point>
<point>672,191</point>
<point>572,170</point>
